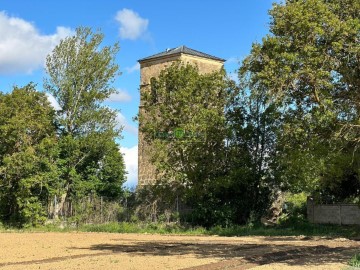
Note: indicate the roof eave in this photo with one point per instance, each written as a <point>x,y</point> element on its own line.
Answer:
<point>143,60</point>
<point>148,59</point>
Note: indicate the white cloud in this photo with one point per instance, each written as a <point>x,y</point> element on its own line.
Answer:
<point>22,48</point>
<point>53,102</point>
<point>132,26</point>
<point>120,118</point>
<point>131,163</point>
<point>134,68</point>
<point>120,96</point>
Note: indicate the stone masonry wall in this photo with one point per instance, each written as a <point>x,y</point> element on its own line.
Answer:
<point>148,70</point>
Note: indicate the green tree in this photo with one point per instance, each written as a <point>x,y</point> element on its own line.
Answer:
<point>251,153</point>
<point>28,155</point>
<point>185,124</point>
<point>80,77</point>
<point>309,68</point>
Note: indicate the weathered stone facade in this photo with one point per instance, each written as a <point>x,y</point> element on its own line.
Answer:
<point>151,67</point>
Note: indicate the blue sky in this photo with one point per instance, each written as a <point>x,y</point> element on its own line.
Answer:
<point>30,29</point>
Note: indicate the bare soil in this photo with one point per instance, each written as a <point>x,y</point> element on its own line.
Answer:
<point>144,251</point>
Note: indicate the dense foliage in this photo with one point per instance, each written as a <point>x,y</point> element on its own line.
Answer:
<point>309,69</point>
<point>211,144</point>
<point>48,158</point>
<point>290,124</point>
<point>223,150</point>
<point>28,155</point>
<point>80,76</point>
<point>185,123</point>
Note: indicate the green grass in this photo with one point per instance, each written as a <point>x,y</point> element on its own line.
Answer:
<point>155,228</point>
<point>305,229</point>
<point>355,261</point>
<point>114,227</point>
<point>296,229</point>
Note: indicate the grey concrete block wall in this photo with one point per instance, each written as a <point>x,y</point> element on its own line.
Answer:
<point>341,214</point>
<point>350,214</point>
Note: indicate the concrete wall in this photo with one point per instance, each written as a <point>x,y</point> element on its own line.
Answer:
<point>341,214</point>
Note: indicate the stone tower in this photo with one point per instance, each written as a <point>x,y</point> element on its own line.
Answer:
<point>151,67</point>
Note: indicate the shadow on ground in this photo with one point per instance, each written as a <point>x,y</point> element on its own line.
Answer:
<point>234,254</point>
<point>257,254</point>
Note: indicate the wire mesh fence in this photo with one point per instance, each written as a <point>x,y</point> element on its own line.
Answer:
<point>90,209</point>
<point>94,209</point>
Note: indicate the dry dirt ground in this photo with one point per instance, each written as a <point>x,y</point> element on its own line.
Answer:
<point>143,251</point>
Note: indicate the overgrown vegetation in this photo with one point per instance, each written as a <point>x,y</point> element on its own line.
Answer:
<point>51,161</point>
<point>223,150</point>
<point>294,209</point>
<point>355,261</point>
<point>303,229</point>
<point>290,124</point>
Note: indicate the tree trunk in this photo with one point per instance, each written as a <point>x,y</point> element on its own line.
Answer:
<point>59,206</point>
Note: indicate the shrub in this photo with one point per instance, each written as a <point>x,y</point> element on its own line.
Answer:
<point>294,208</point>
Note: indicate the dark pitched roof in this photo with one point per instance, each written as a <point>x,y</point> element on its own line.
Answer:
<point>180,50</point>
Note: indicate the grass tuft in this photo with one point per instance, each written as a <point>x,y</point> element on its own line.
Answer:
<point>355,261</point>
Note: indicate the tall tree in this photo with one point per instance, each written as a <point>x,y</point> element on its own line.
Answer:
<point>80,77</point>
<point>185,124</point>
<point>251,153</point>
<point>28,155</point>
<point>309,68</point>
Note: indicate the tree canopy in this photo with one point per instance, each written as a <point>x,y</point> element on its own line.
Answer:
<point>80,73</point>
<point>225,148</point>
<point>290,124</point>
<point>49,158</point>
<point>308,66</point>
<point>28,154</point>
